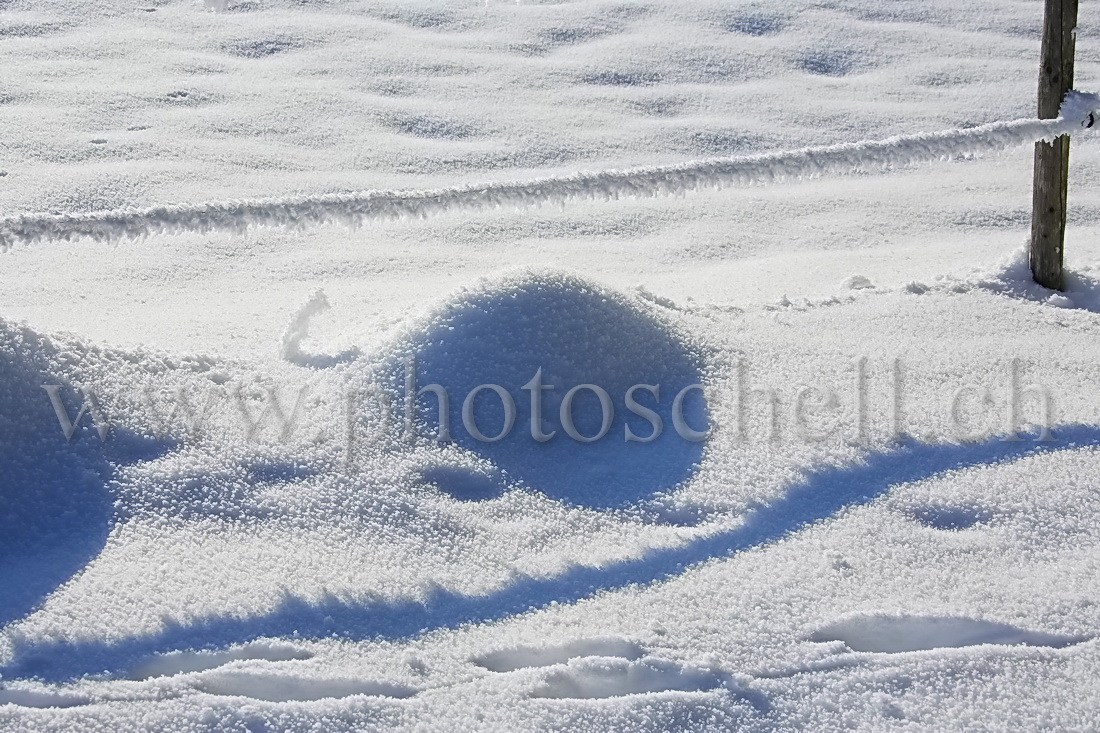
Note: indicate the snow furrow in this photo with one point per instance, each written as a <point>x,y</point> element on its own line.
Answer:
<point>353,209</point>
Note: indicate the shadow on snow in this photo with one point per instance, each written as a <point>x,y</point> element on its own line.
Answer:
<point>820,496</point>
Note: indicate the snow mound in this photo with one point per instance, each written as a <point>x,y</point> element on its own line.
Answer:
<point>566,332</point>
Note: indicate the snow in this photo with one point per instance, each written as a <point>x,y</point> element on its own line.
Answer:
<point>353,209</point>
<point>509,660</point>
<point>854,544</point>
<point>891,635</point>
<point>573,428</point>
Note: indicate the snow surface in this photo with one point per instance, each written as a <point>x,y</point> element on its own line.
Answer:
<point>246,551</point>
<point>355,208</point>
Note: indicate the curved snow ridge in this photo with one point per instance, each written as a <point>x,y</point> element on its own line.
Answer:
<point>353,209</point>
<point>602,678</point>
<point>896,634</point>
<point>523,657</point>
<point>278,688</point>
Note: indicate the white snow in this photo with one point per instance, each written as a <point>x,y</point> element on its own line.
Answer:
<point>247,550</point>
<point>907,634</point>
<point>353,209</point>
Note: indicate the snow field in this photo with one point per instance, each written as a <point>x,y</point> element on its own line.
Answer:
<point>235,575</point>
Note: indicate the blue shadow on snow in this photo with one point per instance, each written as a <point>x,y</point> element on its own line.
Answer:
<point>55,508</point>
<point>822,495</point>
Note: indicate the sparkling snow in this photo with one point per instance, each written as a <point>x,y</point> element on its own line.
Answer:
<point>245,551</point>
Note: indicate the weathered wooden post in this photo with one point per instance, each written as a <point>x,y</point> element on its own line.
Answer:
<point>1048,212</point>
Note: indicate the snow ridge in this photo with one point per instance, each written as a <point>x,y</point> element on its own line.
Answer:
<point>353,209</point>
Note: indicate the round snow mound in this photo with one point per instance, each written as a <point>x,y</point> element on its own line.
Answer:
<point>535,339</point>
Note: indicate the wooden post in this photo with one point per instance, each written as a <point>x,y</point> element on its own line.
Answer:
<point>1048,212</point>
